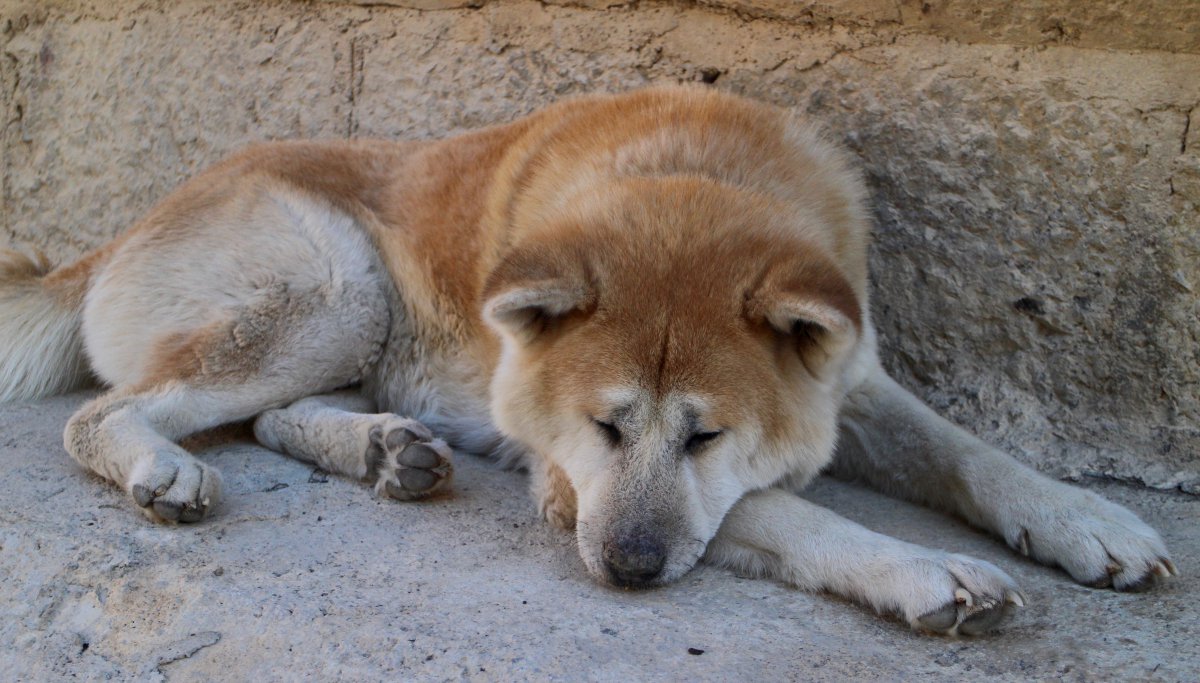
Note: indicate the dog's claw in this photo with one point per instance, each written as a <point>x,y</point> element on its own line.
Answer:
<point>1161,569</point>
<point>963,597</point>
<point>1023,542</point>
<point>1014,598</point>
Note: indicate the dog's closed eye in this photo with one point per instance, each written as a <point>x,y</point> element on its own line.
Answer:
<point>610,432</point>
<point>696,442</point>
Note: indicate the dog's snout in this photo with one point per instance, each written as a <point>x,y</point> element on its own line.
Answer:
<point>634,560</point>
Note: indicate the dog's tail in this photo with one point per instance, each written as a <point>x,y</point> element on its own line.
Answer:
<point>41,346</point>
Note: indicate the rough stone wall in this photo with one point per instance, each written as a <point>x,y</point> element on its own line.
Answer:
<point>1034,171</point>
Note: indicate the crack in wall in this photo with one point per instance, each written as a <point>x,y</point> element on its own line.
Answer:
<point>1183,139</point>
<point>355,86</point>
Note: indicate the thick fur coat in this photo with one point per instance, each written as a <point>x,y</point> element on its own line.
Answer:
<point>658,300</point>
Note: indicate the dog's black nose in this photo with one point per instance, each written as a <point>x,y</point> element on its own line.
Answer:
<point>633,560</point>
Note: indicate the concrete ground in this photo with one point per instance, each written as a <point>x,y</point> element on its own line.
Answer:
<point>299,574</point>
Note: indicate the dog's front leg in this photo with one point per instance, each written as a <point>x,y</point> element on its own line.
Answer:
<point>775,533</point>
<point>898,445</point>
<point>340,433</point>
<point>552,491</point>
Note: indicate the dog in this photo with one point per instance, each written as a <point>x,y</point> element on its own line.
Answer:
<point>656,300</point>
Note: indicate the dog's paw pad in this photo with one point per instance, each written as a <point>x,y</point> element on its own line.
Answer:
<point>940,620</point>
<point>408,462</point>
<point>986,619</point>
<point>420,456</point>
<point>175,487</point>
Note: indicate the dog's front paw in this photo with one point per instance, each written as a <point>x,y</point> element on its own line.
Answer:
<point>173,486</point>
<point>950,594</point>
<point>1099,543</point>
<point>407,461</point>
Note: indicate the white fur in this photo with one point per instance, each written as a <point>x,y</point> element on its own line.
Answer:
<point>896,443</point>
<point>39,335</point>
<point>774,533</point>
<point>147,292</point>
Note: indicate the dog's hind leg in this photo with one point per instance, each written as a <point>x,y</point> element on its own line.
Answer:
<point>279,346</point>
<point>236,296</point>
<point>897,444</point>
<point>341,433</point>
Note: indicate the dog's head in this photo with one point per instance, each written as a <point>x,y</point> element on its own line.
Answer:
<point>670,344</point>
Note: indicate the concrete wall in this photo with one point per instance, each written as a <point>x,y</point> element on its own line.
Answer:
<point>1034,171</point>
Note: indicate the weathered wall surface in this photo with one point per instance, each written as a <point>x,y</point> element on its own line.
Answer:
<point>1035,171</point>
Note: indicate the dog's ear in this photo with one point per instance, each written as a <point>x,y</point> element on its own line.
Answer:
<point>531,308</point>
<point>531,291</point>
<point>811,308</point>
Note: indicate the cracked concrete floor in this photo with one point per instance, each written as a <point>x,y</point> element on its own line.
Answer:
<point>299,574</point>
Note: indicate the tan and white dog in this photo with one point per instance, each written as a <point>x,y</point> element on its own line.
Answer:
<point>657,299</point>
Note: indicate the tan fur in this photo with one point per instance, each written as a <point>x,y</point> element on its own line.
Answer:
<point>658,299</point>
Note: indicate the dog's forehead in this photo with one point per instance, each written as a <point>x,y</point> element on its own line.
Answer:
<point>637,405</point>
